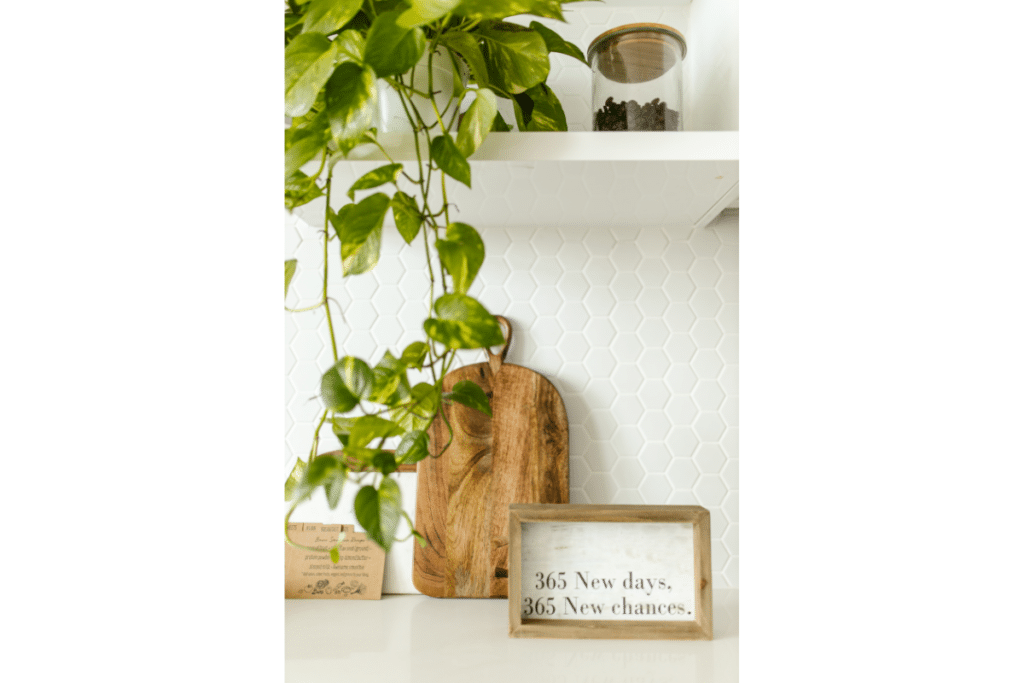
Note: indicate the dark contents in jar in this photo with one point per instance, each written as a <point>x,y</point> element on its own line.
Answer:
<point>654,115</point>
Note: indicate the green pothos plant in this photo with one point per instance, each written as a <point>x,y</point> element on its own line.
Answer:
<point>339,54</point>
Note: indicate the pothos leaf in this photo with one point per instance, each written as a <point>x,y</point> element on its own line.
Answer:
<point>413,447</point>
<point>461,254</point>
<point>449,159</point>
<point>556,43</point>
<point>379,511</point>
<point>289,271</point>
<point>471,395</point>
<point>463,323</point>
<point>407,216</point>
<point>359,228</point>
<point>477,122</point>
<point>375,178</point>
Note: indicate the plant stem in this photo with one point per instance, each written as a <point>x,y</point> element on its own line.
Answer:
<point>327,238</point>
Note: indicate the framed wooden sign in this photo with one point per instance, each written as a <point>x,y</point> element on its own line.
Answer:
<point>609,571</point>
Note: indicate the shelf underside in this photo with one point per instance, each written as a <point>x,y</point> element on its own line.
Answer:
<point>580,146</point>
<point>613,194</point>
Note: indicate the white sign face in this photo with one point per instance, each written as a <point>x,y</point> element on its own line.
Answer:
<point>615,571</point>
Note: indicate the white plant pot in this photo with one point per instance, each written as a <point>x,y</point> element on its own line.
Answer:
<point>390,116</point>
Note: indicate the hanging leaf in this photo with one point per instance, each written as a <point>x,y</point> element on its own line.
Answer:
<point>517,58</point>
<point>379,510</point>
<point>390,383</point>
<point>335,394</point>
<point>425,11</point>
<point>351,99</point>
<point>467,45</point>
<point>392,49</point>
<point>289,272</point>
<point>300,189</point>
<point>349,46</point>
<point>541,109</point>
<point>294,478</point>
<point>413,447</point>
<point>499,9</point>
<point>327,16</point>
<point>499,124</point>
<point>384,462</point>
<point>461,254</point>
<point>414,354</point>
<point>477,122</point>
<point>449,159</point>
<point>369,427</point>
<point>359,228</point>
<point>463,323</point>
<point>375,178</point>
<point>308,63</point>
<point>555,42</point>
<point>470,394</point>
<point>418,412</point>
<point>407,216</point>
<point>302,143</point>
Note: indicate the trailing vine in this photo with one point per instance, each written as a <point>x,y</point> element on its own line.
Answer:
<point>339,54</point>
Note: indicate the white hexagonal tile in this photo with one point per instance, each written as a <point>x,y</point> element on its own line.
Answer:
<point>704,272</point>
<point>731,506</point>
<point>626,347</point>
<point>709,458</point>
<point>653,363</point>
<point>627,440</point>
<point>601,488</point>
<point>600,424</point>
<point>731,474</point>
<point>707,364</point>
<point>599,301</point>
<point>627,472</point>
<point>652,332</point>
<point>573,286</point>
<point>679,287</point>
<point>682,474</point>
<point>709,426</point>
<point>628,409</point>
<point>653,302</point>
<point>680,348</point>
<point>705,303</point>
<point>681,409</point>
<point>626,316</point>
<point>710,490</point>
<point>547,270</point>
<point>731,572</point>
<point>655,425</point>
<point>627,378</point>
<point>626,286</point>
<point>600,393</point>
<point>627,497</point>
<point>655,489</point>
<point>682,441</point>
<point>654,394</point>
<point>730,411</point>
<point>708,395</point>
<point>625,256</point>
<point>654,457</point>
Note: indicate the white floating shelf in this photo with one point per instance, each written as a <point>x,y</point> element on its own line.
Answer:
<point>579,146</point>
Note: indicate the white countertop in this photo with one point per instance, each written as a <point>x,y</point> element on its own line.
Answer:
<point>417,639</point>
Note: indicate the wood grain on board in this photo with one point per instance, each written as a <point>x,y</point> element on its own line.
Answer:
<point>520,455</point>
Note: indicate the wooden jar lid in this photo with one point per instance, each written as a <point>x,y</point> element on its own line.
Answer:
<point>635,53</point>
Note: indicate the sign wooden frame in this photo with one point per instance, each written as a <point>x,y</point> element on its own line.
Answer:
<point>698,627</point>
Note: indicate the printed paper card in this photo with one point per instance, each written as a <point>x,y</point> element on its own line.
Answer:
<point>358,575</point>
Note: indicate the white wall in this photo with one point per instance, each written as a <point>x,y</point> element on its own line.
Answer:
<point>637,327</point>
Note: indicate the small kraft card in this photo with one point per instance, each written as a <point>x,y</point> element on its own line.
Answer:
<point>358,575</point>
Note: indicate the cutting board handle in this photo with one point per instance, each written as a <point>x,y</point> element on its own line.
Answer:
<point>494,359</point>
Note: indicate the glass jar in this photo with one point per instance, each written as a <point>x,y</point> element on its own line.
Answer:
<point>638,78</point>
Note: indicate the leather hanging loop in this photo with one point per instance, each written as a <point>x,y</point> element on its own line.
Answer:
<point>494,359</point>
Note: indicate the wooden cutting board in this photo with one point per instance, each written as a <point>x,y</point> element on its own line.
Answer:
<point>521,455</point>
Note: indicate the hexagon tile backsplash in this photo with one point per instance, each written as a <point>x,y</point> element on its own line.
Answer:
<point>637,328</point>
